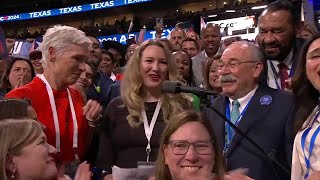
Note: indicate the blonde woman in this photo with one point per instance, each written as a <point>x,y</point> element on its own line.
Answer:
<point>134,122</point>
<point>24,151</point>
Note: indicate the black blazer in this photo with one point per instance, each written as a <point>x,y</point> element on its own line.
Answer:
<point>270,126</point>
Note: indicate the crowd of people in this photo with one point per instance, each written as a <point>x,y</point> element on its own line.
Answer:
<point>79,110</point>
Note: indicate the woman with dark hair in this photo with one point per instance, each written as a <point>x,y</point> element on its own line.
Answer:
<point>211,78</point>
<point>306,86</point>
<point>18,73</point>
<point>184,65</point>
<point>107,64</point>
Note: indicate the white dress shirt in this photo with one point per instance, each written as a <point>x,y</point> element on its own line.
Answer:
<point>274,77</point>
<point>299,166</point>
<point>244,100</point>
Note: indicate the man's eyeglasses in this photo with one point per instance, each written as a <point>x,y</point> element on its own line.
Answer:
<point>233,64</point>
<point>181,147</point>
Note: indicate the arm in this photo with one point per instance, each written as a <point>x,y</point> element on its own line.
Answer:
<point>106,156</point>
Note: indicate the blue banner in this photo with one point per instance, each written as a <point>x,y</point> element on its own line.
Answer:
<point>123,37</point>
<point>69,10</point>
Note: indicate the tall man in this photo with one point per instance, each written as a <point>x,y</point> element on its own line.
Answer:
<point>211,38</point>
<point>262,113</point>
<point>278,26</point>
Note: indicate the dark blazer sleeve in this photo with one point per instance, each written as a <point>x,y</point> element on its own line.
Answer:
<point>289,132</point>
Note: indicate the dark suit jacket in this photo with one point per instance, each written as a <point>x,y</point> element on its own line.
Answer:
<point>114,91</point>
<point>104,82</point>
<point>270,126</point>
<point>295,58</point>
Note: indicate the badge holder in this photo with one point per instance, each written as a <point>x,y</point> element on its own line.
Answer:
<point>144,164</point>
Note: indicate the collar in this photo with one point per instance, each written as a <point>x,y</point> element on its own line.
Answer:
<point>244,100</point>
<point>287,61</point>
<point>205,54</point>
<point>113,77</point>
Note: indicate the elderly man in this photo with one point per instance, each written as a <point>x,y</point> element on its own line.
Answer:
<point>278,27</point>
<point>262,113</point>
<point>211,38</point>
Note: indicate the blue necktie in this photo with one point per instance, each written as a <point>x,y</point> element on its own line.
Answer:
<point>235,113</point>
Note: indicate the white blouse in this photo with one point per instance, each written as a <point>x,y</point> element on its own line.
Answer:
<point>299,167</point>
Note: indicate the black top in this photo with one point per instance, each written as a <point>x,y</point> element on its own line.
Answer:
<point>122,145</point>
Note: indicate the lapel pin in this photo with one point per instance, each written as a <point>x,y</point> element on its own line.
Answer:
<point>266,100</point>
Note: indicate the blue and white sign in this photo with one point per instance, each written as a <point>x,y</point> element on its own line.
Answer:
<point>123,37</point>
<point>69,10</point>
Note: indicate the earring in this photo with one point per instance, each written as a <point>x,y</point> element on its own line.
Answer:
<point>13,172</point>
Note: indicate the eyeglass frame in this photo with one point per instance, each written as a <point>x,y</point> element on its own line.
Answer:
<point>210,142</point>
<point>235,65</point>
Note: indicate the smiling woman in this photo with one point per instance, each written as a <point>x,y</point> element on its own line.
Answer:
<point>134,122</point>
<point>60,108</point>
<point>24,151</point>
<point>189,149</point>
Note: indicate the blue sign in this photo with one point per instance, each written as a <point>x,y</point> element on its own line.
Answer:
<point>123,37</point>
<point>69,10</point>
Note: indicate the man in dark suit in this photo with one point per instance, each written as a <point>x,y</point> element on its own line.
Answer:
<point>278,27</point>
<point>262,113</point>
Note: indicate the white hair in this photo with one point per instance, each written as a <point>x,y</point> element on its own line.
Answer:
<point>60,37</point>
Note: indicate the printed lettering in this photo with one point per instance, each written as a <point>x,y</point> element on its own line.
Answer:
<point>102,5</point>
<point>70,9</point>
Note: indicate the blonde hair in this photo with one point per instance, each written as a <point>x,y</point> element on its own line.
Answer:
<point>15,134</point>
<point>162,170</point>
<point>132,91</point>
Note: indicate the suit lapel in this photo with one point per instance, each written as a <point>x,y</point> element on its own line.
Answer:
<point>255,113</point>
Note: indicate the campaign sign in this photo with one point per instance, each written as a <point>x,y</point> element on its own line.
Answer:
<point>22,48</point>
<point>122,38</point>
<point>69,10</point>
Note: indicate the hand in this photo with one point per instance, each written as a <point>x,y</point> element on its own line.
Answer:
<point>288,83</point>
<point>92,110</point>
<point>19,83</point>
<point>314,176</point>
<point>83,172</point>
<point>238,174</point>
<point>10,43</point>
<point>108,177</point>
<point>159,29</point>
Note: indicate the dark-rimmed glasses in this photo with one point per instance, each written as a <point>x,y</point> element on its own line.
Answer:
<point>181,147</point>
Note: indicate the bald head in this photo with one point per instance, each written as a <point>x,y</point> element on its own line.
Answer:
<point>240,67</point>
<point>251,49</point>
<point>211,38</point>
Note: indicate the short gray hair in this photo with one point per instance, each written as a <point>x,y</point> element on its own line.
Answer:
<point>60,37</point>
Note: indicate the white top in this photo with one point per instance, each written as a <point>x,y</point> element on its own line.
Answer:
<point>113,77</point>
<point>298,162</point>
<point>244,100</point>
<point>275,78</point>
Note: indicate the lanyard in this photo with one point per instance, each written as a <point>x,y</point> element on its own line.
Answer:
<point>55,117</point>
<point>229,130</point>
<point>312,141</point>
<point>274,72</point>
<point>148,129</point>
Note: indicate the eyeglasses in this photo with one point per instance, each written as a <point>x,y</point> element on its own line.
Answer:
<point>233,64</point>
<point>181,147</point>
